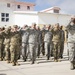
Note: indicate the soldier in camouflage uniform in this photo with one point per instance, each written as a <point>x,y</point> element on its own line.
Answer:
<point>43,35</point>
<point>39,41</point>
<point>32,43</point>
<point>71,42</point>
<point>56,42</point>
<point>15,45</point>
<point>7,44</point>
<point>1,44</point>
<point>25,38</point>
<point>48,42</point>
<point>62,42</point>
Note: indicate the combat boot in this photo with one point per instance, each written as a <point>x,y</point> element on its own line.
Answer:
<point>13,64</point>
<point>72,66</point>
<point>32,62</point>
<point>8,61</point>
<point>59,60</point>
<point>1,59</point>
<point>55,60</point>
<point>17,64</point>
<point>4,59</point>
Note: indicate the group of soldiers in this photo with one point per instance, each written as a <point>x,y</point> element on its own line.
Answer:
<point>30,42</point>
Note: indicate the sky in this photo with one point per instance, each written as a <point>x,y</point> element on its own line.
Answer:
<point>67,6</point>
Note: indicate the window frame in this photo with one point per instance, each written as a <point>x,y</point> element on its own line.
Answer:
<point>28,7</point>
<point>56,11</point>
<point>8,5</point>
<point>19,6</point>
<point>5,18</point>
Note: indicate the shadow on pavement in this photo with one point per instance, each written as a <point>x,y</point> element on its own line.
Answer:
<point>2,74</point>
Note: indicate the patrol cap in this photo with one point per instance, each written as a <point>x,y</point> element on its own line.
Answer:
<point>7,27</point>
<point>34,24</point>
<point>15,26</point>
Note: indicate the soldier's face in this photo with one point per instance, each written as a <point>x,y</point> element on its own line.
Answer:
<point>15,29</point>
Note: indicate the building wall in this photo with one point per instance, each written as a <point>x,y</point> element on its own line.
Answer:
<point>25,18</point>
<point>5,9</point>
<point>41,19</point>
<point>14,3</point>
<point>50,18</point>
<point>10,10</point>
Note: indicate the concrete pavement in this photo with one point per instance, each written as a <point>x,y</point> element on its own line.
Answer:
<point>41,67</point>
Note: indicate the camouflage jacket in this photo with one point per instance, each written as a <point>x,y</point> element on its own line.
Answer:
<point>16,38</point>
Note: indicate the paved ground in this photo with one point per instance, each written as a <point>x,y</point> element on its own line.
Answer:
<point>41,67</point>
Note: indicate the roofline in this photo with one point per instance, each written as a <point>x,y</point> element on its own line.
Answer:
<point>55,13</point>
<point>25,2</point>
<point>45,10</point>
<point>21,2</point>
<point>37,12</point>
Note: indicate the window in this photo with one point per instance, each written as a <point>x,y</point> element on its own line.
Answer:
<point>56,11</point>
<point>7,14</point>
<point>18,6</point>
<point>3,14</point>
<point>7,19</point>
<point>28,7</point>
<point>8,4</point>
<point>4,17</point>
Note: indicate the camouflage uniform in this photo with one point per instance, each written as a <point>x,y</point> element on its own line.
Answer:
<point>71,44</point>
<point>1,45</point>
<point>7,44</point>
<point>32,44</point>
<point>48,43</point>
<point>56,42</point>
<point>62,43</point>
<point>25,38</point>
<point>43,35</point>
<point>39,42</point>
<point>15,45</point>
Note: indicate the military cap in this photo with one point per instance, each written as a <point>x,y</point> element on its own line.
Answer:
<point>9,27</point>
<point>15,26</point>
<point>34,24</point>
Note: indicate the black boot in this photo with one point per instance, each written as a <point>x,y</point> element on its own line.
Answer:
<point>72,66</point>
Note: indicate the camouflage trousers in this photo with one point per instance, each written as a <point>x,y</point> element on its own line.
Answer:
<point>71,47</point>
<point>7,52</point>
<point>24,50</point>
<point>43,49</point>
<point>48,48</point>
<point>32,51</point>
<point>56,50</point>
<point>15,52</point>
<point>39,49</point>
<point>61,48</point>
<point>1,51</point>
